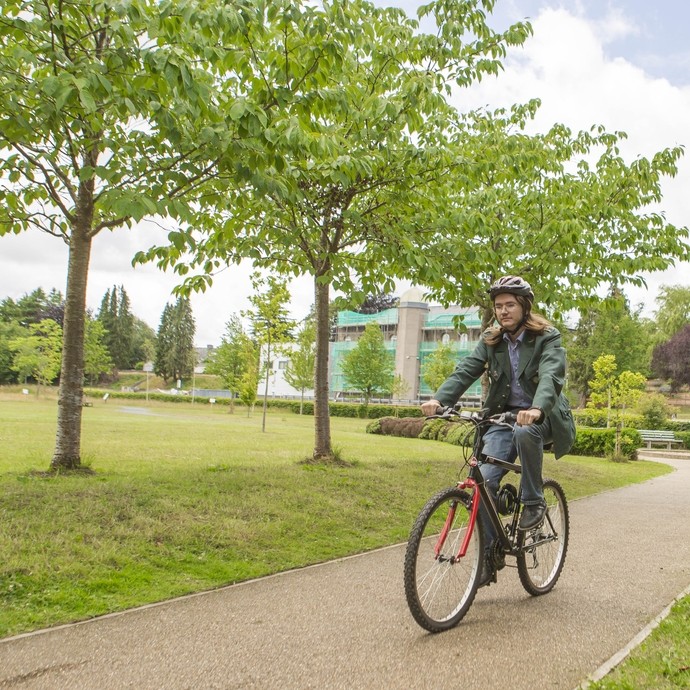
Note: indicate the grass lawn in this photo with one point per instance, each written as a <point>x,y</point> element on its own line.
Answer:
<point>188,497</point>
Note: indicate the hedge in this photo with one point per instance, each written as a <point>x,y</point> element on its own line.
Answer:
<point>593,442</point>
<point>597,419</point>
<point>602,442</point>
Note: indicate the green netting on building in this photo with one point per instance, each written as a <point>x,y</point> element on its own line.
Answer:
<point>437,321</point>
<point>386,317</point>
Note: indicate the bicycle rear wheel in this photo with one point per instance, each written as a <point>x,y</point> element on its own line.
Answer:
<point>544,548</point>
<point>439,586</point>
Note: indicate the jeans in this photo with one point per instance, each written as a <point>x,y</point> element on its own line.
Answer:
<point>506,444</point>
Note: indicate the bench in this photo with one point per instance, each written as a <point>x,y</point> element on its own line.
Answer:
<point>664,437</point>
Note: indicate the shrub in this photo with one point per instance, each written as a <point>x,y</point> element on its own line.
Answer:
<point>434,429</point>
<point>590,418</point>
<point>459,435</point>
<point>684,436</point>
<point>654,409</point>
<point>374,427</point>
<point>336,409</point>
<point>602,442</point>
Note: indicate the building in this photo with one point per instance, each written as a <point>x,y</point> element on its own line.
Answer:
<point>278,387</point>
<point>411,332</point>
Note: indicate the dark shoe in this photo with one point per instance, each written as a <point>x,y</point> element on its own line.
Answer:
<point>532,516</point>
<point>487,574</point>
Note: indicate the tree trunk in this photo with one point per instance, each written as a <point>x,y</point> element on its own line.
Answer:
<point>67,453</point>
<point>268,364</point>
<point>322,422</point>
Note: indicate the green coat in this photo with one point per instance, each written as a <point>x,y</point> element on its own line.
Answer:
<point>541,374</point>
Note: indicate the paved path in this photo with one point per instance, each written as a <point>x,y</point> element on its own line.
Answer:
<point>345,624</point>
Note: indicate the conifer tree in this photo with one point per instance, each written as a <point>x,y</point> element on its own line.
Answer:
<point>164,344</point>
<point>175,341</point>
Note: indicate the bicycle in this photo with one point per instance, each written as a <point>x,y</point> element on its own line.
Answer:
<point>445,549</point>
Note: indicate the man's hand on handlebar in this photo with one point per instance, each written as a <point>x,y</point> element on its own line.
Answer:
<point>528,417</point>
<point>430,407</point>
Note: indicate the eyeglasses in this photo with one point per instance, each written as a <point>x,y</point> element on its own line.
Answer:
<point>507,306</point>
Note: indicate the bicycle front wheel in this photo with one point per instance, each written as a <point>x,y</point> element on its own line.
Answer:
<point>439,585</point>
<point>543,549</point>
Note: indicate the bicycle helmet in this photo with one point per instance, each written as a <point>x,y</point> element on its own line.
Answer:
<point>512,284</point>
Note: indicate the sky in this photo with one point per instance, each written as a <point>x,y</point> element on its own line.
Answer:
<point>624,64</point>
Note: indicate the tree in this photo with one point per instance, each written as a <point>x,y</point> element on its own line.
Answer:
<point>118,323</point>
<point>671,360</point>
<point>609,327</point>
<point>97,359</point>
<point>300,369</point>
<point>615,392</point>
<point>655,409</point>
<point>164,344</point>
<point>373,304</point>
<point>612,390</point>
<point>399,388</point>
<point>438,366</point>
<point>249,381</point>
<point>143,342</point>
<point>109,113</point>
<point>175,341</point>
<point>369,366</point>
<point>673,312</point>
<point>34,307</point>
<point>357,146</point>
<point>271,322</point>
<point>585,211</point>
<point>37,354</point>
<point>9,332</point>
<point>229,360</point>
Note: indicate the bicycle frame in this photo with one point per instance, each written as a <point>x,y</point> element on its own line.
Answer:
<point>476,484</point>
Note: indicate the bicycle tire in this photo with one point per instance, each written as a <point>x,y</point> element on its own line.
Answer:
<point>440,589</point>
<point>543,549</point>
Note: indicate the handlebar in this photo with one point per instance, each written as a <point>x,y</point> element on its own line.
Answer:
<point>449,412</point>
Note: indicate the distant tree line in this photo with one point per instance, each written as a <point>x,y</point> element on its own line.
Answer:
<point>31,339</point>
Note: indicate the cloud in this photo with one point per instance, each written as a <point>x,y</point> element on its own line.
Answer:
<point>614,26</point>
<point>565,64</point>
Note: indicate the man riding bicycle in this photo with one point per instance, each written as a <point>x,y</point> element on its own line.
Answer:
<point>525,362</point>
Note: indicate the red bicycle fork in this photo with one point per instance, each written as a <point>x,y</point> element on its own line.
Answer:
<point>466,484</point>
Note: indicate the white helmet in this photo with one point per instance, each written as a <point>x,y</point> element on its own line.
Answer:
<point>512,284</point>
